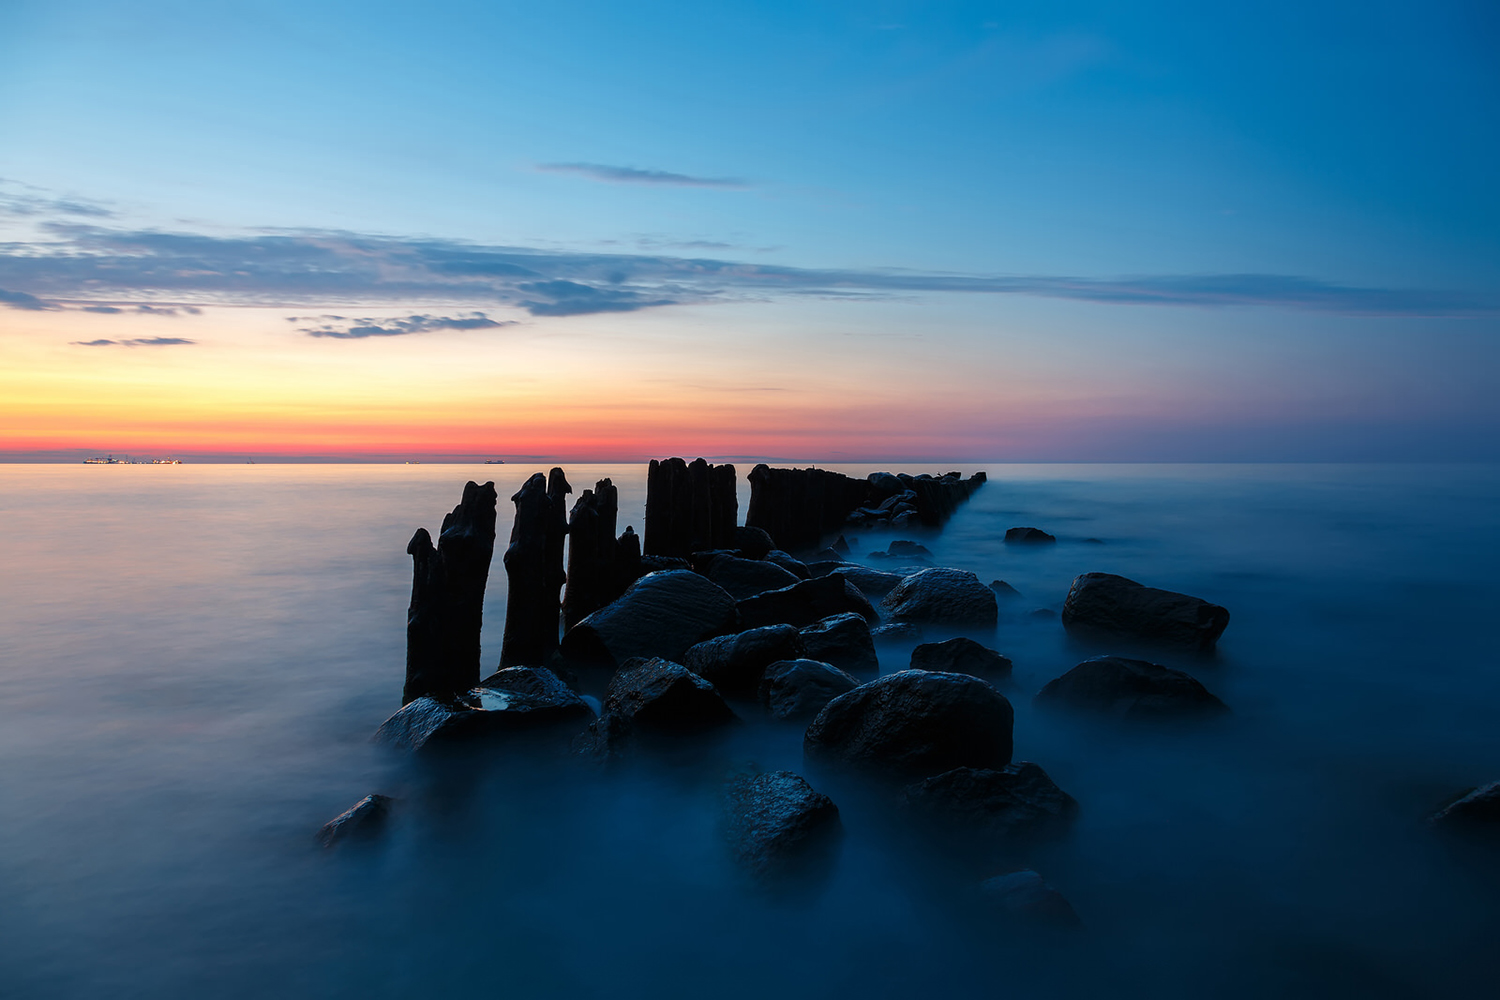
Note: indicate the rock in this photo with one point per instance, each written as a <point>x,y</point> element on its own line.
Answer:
<point>897,632</point>
<point>753,543</point>
<point>703,560</point>
<point>840,545</point>
<point>842,640</point>
<point>1004,591</point>
<point>999,808</point>
<point>1022,897</point>
<point>805,602</point>
<point>777,825</point>
<point>823,567</point>
<point>914,723</point>
<point>1130,689</point>
<point>798,689</point>
<point>663,564</point>
<point>1094,541</point>
<point>744,578</point>
<point>447,598</point>
<point>961,656</point>
<point>513,700</point>
<point>1042,614</point>
<point>1028,536</point>
<point>1106,604</point>
<point>907,549</point>
<point>734,663</point>
<point>796,567</point>
<point>659,695</point>
<point>661,614</point>
<point>873,583</point>
<point>824,555</point>
<point>942,597</point>
<point>363,821</point>
<point>884,484</point>
<point>1476,813</point>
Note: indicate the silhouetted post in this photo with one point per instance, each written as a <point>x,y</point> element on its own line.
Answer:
<point>530,616</point>
<point>725,504</point>
<point>446,613</point>
<point>593,553</point>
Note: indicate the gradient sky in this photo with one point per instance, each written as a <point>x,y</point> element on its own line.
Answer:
<point>839,232</point>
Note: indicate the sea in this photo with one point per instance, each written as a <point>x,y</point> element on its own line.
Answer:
<point>193,659</point>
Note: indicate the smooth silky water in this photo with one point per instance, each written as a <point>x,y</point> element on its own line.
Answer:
<point>193,658</point>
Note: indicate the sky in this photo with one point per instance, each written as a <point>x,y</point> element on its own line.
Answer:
<point>797,232</point>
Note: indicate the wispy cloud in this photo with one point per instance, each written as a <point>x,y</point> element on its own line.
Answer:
<point>28,201</point>
<point>344,328</point>
<point>94,268</point>
<point>135,342</point>
<point>606,174</point>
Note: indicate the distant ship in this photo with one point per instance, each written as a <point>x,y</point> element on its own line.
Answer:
<point>494,461</point>
<point>111,460</point>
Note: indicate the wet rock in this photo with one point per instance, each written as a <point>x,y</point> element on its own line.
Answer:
<point>661,614</point>
<point>942,597</point>
<point>663,564</point>
<point>1130,689</point>
<point>734,663</point>
<point>1028,536</point>
<point>805,602</point>
<point>779,826</point>
<point>1042,615</point>
<point>1004,591</point>
<point>447,597</point>
<point>873,583</point>
<point>511,701</point>
<point>798,689</point>
<point>961,656</point>
<point>703,561</point>
<point>914,723</point>
<point>662,696</point>
<point>1024,898</point>
<point>536,696</point>
<point>897,632</point>
<point>796,567</point>
<point>823,567</point>
<point>1000,810</point>
<point>365,820</point>
<point>903,548</point>
<point>840,545</point>
<point>1474,814</point>
<point>842,640</point>
<point>744,578</point>
<point>824,555</point>
<point>753,543</point>
<point>1105,604</point>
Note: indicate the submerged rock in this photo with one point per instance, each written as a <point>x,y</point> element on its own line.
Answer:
<point>1476,813</point>
<point>943,597</point>
<point>805,602</point>
<point>914,723</point>
<point>778,825</point>
<point>363,821</point>
<point>1112,605</point>
<point>1028,536</point>
<point>744,578</point>
<point>1003,808</point>
<point>842,640</point>
<point>661,614</point>
<point>961,656</point>
<point>734,663</point>
<point>1024,898</point>
<point>798,689</point>
<point>1130,689</point>
<point>1004,591</point>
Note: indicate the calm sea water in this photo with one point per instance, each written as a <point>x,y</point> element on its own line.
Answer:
<point>193,658</point>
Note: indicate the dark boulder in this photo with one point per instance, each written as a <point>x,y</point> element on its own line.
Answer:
<point>657,694</point>
<point>1023,898</point>
<point>907,551</point>
<point>1106,604</point>
<point>798,689</point>
<point>663,564</point>
<point>897,632</point>
<point>842,640</point>
<point>777,825</point>
<point>1002,809</point>
<point>914,723</point>
<point>804,603</point>
<point>753,543</point>
<point>961,656</point>
<point>1028,536</point>
<point>743,578</point>
<point>943,597</point>
<point>661,614</point>
<point>363,821</point>
<point>873,583</point>
<point>734,663</point>
<point>510,701</point>
<point>1004,591</point>
<point>823,567</point>
<point>702,561</point>
<point>1475,814</point>
<point>788,562</point>
<point>1130,689</point>
<point>1042,615</point>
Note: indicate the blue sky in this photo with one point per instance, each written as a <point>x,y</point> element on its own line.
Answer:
<point>1235,194</point>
